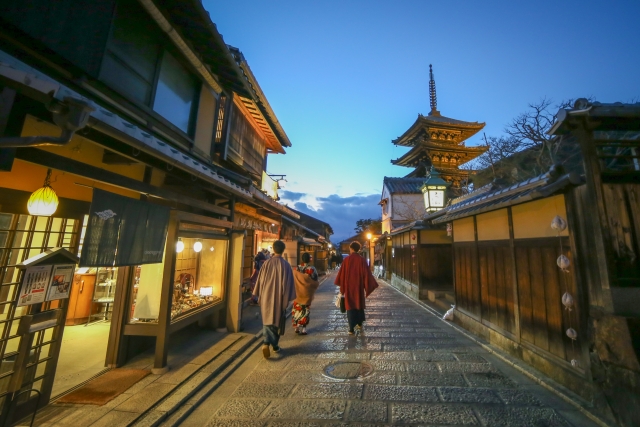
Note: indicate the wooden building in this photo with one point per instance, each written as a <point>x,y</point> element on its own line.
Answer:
<point>155,135</point>
<point>548,270</point>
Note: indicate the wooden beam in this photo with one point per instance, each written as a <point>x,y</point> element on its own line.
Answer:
<point>74,167</point>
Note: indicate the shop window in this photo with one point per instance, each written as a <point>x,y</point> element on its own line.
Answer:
<point>197,282</point>
<point>199,276</point>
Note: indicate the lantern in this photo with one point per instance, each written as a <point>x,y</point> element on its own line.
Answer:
<point>43,201</point>
<point>197,246</point>
<point>434,189</point>
<point>179,246</point>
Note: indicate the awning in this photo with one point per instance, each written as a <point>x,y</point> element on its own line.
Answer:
<point>308,242</point>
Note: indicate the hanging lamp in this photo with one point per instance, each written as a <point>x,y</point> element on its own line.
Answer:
<point>179,246</point>
<point>43,201</point>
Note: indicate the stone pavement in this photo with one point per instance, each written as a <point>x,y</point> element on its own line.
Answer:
<point>415,370</point>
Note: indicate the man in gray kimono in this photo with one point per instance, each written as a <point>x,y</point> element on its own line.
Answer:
<point>274,289</point>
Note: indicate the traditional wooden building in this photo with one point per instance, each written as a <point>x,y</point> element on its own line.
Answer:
<point>439,142</point>
<point>155,135</point>
<point>547,269</point>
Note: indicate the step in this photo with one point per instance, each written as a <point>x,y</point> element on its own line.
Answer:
<point>199,380</point>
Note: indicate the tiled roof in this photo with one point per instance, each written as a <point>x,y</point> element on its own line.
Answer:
<point>404,185</point>
<point>485,201</point>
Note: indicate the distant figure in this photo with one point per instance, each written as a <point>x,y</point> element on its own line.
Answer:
<point>306,280</point>
<point>356,283</point>
<point>274,289</point>
<point>258,261</point>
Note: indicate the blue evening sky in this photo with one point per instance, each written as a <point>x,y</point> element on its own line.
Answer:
<point>346,77</point>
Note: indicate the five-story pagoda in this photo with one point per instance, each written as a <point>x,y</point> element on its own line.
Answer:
<point>438,142</point>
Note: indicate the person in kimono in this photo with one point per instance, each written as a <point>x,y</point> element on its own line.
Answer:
<point>356,283</point>
<point>274,290</point>
<point>306,281</point>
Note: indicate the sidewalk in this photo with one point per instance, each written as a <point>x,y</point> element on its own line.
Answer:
<point>407,368</point>
<point>198,359</point>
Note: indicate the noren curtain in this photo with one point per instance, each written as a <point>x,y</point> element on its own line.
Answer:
<point>123,231</point>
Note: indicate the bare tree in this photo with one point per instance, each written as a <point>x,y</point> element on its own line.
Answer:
<point>407,208</point>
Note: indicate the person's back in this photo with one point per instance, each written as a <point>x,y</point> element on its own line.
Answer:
<point>274,289</point>
<point>356,283</point>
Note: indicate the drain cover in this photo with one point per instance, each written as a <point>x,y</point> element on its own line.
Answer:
<point>348,370</point>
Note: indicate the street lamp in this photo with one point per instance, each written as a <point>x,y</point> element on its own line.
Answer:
<point>434,189</point>
<point>368,236</point>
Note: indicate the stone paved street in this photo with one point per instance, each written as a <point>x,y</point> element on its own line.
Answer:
<point>421,372</point>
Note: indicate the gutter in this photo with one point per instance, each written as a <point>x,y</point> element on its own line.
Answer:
<point>173,34</point>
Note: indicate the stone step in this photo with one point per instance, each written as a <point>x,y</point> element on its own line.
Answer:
<point>218,368</point>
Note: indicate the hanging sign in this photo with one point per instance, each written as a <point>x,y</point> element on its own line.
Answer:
<point>34,285</point>
<point>60,282</point>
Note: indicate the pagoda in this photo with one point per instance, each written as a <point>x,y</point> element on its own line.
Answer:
<point>438,142</point>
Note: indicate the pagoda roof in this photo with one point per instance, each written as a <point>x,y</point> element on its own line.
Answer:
<point>436,127</point>
<point>412,157</point>
<point>420,173</point>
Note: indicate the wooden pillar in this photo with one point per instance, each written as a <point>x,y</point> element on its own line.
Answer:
<point>164,318</point>
<point>117,347</point>
<point>514,269</point>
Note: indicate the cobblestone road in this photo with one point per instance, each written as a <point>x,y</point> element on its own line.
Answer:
<point>424,373</point>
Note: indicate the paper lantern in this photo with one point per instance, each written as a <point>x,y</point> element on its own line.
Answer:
<point>197,246</point>
<point>571,333</point>
<point>43,201</point>
<point>179,246</point>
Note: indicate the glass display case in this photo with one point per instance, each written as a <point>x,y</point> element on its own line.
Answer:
<point>199,275</point>
<point>198,281</point>
<point>104,292</point>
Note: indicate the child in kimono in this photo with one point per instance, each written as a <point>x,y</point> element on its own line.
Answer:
<point>306,282</point>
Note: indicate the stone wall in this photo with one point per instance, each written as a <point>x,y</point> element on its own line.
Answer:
<point>405,287</point>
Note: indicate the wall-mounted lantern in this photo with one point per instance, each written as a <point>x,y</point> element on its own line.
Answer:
<point>434,190</point>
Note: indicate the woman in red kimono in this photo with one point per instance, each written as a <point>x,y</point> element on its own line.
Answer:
<point>356,283</point>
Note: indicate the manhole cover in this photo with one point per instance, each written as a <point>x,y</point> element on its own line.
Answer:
<point>348,370</point>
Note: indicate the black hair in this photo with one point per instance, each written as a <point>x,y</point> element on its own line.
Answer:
<point>355,246</point>
<point>306,257</point>
<point>278,247</point>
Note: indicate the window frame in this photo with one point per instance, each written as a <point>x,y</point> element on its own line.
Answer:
<point>164,45</point>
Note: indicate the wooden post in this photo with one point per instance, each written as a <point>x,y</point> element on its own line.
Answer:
<point>598,223</point>
<point>514,269</point>
<point>164,318</point>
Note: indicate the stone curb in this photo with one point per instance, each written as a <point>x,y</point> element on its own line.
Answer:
<point>544,381</point>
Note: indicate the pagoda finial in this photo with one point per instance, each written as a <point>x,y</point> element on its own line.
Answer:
<point>433,99</point>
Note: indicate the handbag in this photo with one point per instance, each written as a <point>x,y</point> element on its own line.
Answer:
<point>282,323</point>
<point>343,309</point>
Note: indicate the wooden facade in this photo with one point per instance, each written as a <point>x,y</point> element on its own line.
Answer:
<point>419,260</point>
<point>509,288</point>
<point>157,130</point>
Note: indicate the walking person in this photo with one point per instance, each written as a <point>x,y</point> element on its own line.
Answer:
<point>274,290</point>
<point>356,283</point>
<point>306,281</point>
